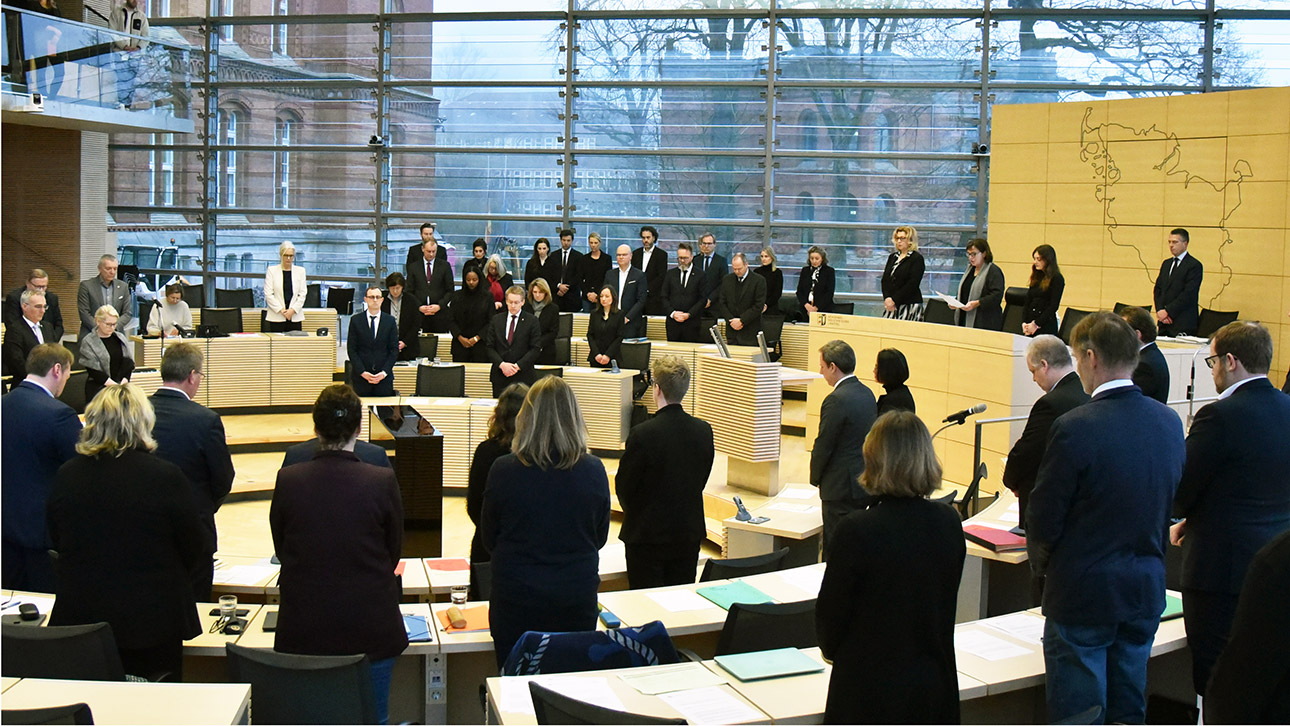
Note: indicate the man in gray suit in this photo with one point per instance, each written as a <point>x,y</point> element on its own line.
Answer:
<point>845,418</point>
<point>104,289</point>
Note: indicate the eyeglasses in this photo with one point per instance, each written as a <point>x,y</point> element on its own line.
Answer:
<point>973,253</point>
<point>1211,360</point>
<point>373,297</point>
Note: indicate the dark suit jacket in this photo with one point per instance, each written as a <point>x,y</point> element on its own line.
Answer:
<point>89,297</point>
<point>836,462</point>
<point>191,437</point>
<point>367,453</point>
<point>631,301</point>
<point>1235,490</point>
<point>1026,455</point>
<point>338,520</point>
<point>487,452</point>
<point>743,300</point>
<point>823,287</point>
<point>914,680</point>
<point>373,355</point>
<point>18,342</point>
<point>713,274</point>
<point>39,436</point>
<point>434,291</point>
<point>691,298</point>
<point>1179,293</point>
<point>549,271</point>
<point>604,336</point>
<point>661,478</point>
<point>53,312</point>
<point>548,327</point>
<point>1152,373</point>
<point>902,284</point>
<point>1041,305</point>
<point>571,275</point>
<point>1097,525</point>
<point>468,317</point>
<point>774,287</point>
<point>409,324</point>
<point>896,398</point>
<point>128,538</point>
<point>653,276</point>
<point>523,350</point>
<point>592,273</point>
<point>989,315</point>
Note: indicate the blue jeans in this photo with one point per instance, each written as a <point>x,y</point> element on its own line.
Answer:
<point>1099,665</point>
<point>381,670</point>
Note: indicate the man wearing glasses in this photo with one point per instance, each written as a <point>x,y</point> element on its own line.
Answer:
<point>37,281</point>
<point>373,347</point>
<point>26,333</point>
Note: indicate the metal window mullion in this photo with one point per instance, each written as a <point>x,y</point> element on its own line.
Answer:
<point>983,123</point>
<point>1207,49</point>
<point>567,159</point>
<point>381,154</point>
<point>768,158</point>
<point>210,121</point>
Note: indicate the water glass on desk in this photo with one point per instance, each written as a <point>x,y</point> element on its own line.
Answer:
<point>227,607</point>
<point>459,594</point>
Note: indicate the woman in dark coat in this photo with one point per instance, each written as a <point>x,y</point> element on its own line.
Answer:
<point>105,352</point>
<point>501,431</point>
<point>469,313</point>
<point>337,527</point>
<point>497,281</point>
<point>545,518</point>
<point>548,315</point>
<point>981,290</point>
<point>888,626</point>
<point>595,264</point>
<point>891,370</point>
<point>1044,295</point>
<point>128,535</point>
<point>604,330</point>
<point>816,283</point>
<point>902,278</point>
<point>769,269</point>
<point>541,264</point>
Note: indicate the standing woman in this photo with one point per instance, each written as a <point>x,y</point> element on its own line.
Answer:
<point>548,315</point>
<point>540,264</point>
<point>901,279</point>
<point>856,615</point>
<point>469,313</point>
<point>501,431</point>
<point>497,280</point>
<point>284,292</point>
<point>128,535</point>
<point>815,284</point>
<point>604,330</point>
<point>774,280</point>
<point>595,264</point>
<point>981,290</point>
<point>891,370</point>
<point>106,354</point>
<point>545,518</point>
<point>1045,293</point>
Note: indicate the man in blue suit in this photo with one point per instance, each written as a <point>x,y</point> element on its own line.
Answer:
<point>39,435</point>
<point>1234,497</point>
<point>373,347</point>
<point>630,289</point>
<point>1097,528</point>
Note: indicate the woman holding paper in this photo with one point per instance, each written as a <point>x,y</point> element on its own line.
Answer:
<point>885,612</point>
<point>981,291</point>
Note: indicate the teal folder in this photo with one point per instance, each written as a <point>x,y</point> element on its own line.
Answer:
<point>1173,607</point>
<point>734,592</point>
<point>769,664</point>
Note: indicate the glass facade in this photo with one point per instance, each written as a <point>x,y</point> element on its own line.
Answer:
<point>342,125</point>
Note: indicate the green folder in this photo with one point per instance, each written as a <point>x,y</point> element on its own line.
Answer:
<point>768,664</point>
<point>1173,607</point>
<point>734,592</point>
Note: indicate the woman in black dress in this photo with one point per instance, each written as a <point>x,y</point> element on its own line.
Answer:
<point>107,355</point>
<point>595,264</point>
<point>981,290</point>
<point>815,284</point>
<point>769,269</point>
<point>540,265</point>
<point>1045,293</point>
<point>548,315</point>
<point>892,370</point>
<point>471,308</point>
<point>604,330</point>
<point>501,430</point>
<point>902,278</point>
<point>888,626</point>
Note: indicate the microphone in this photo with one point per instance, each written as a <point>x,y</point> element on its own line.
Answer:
<point>961,416</point>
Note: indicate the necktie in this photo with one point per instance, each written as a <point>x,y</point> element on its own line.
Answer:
<point>685,275</point>
<point>1173,268</point>
<point>373,327</point>
<point>510,331</point>
<point>35,328</point>
<point>706,260</point>
<point>429,269</point>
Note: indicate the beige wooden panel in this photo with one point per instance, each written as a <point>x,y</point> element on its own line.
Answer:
<point>477,383</point>
<point>1197,116</point>
<point>1249,252</point>
<point>1261,152</point>
<point>451,417</point>
<point>1083,287</point>
<point>796,353</point>
<point>580,324</point>
<point>1258,111</point>
<point>1137,203</point>
<point>1076,244</point>
<point>148,353</point>
<point>929,362</point>
<point>1253,296</point>
<point>1257,204</point>
<point>1197,205</point>
<point>148,382</point>
<point>1139,161</point>
<point>742,401</point>
<point>1130,118</point>
<point>239,372</point>
<point>1018,203</point>
<point>1067,121</point>
<point>301,368</point>
<point>405,380</point>
<point>656,327</point>
<point>606,401</point>
<point>1066,167</point>
<point>1019,164</point>
<point>1012,242</point>
<point>1020,124</point>
<point>1066,202</point>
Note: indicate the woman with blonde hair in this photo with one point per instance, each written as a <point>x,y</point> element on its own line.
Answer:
<point>545,518</point>
<point>902,278</point>
<point>547,313</point>
<point>769,269</point>
<point>128,535</point>
<point>285,285</point>
<point>105,352</point>
<point>595,265</point>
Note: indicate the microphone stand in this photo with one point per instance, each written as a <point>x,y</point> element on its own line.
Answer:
<point>949,425</point>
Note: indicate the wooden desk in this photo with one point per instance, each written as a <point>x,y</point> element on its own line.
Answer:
<point>138,703</point>
<point>233,577</point>
<point>994,583</point>
<point>208,644</point>
<point>796,521</point>
<point>742,400</point>
<point>605,399</point>
<point>314,318</point>
<point>6,683</point>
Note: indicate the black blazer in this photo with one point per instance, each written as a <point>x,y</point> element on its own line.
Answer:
<point>40,434</point>
<point>661,478</point>
<point>372,354</point>
<point>713,273</point>
<point>434,291</point>
<point>914,680</point>
<point>823,287</point>
<point>743,300</point>
<point>593,273</point>
<point>1152,373</point>
<point>1024,458</point>
<point>468,317</point>
<point>989,315</point>
<point>338,520</point>
<point>18,342</point>
<point>631,301</point>
<point>191,437</point>
<point>688,299</point>
<point>523,350</point>
<point>653,276</point>
<point>53,312</point>
<point>549,326</point>
<point>487,452</point>
<point>1235,489</point>
<point>896,398</point>
<point>836,462</point>
<point>550,271</point>
<point>1179,293</point>
<point>902,283</point>
<point>604,336</point>
<point>367,453</point>
<point>774,287</point>
<point>409,324</point>
<point>571,275</point>
<point>1041,305</point>
<point>128,539</point>
<point>1097,524</point>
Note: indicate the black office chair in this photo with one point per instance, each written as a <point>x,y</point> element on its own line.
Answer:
<point>551,707</point>
<point>563,334</point>
<point>1121,307</point>
<point>74,392</point>
<point>1212,320</point>
<point>70,652</point>
<point>194,295</point>
<point>313,295</point>
<point>844,308</point>
<point>1014,312</point>
<point>481,580</point>
<point>936,311</point>
<point>772,327</point>
<point>427,345</point>
<point>228,320</point>
<point>76,713</point>
<point>636,356</point>
<point>1070,319</point>
<point>145,312</point>
<point>947,499</point>
<point>442,381</point>
<point>543,372</point>
<point>341,299</point>
<point>240,298</point>
<point>304,689</point>
<point>767,626</point>
<point>974,489</point>
<point>743,566</point>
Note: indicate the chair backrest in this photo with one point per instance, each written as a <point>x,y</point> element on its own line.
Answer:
<point>194,295</point>
<point>1015,310</point>
<point>304,689</point>
<point>563,352</point>
<point>76,713</point>
<point>1121,307</point>
<point>543,372</point>
<point>239,298</point>
<point>965,504</point>
<point>1212,320</point>
<point>551,707</point>
<point>636,355</point>
<point>341,299</point>
<point>565,328</point>
<point>844,308</point>
<point>74,391</point>
<point>313,295</point>
<point>536,652</point>
<point>766,626</point>
<point>145,312</point>
<point>948,498</point>
<point>743,566</point>
<point>427,345</point>
<point>481,580</point>
<point>229,320</point>
<point>442,381</point>
<point>936,311</point>
<point>1070,319</point>
<point>71,652</point>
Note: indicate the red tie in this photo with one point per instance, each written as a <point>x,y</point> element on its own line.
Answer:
<point>510,331</point>
<point>429,265</point>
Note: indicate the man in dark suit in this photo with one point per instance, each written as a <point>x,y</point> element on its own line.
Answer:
<point>366,452</point>
<point>660,485</point>
<point>845,418</point>
<point>1152,372</point>
<point>714,268</point>
<point>430,281</point>
<point>407,318</point>
<point>1096,529</point>
<point>414,251</point>
<point>103,289</point>
<point>568,291</point>
<point>191,437</point>
<point>373,347</point>
<point>652,259</point>
<point>1177,290</point>
<point>743,296</point>
<point>684,298</point>
<point>37,281</point>
<point>514,342</point>
<point>24,334</point>
<point>1235,492</point>
<point>631,288</point>
<point>38,434</point>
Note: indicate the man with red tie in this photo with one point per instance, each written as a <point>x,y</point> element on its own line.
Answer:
<point>514,342</point>
<point>430,282</point>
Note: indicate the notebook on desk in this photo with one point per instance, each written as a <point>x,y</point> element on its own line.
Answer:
<point>417,628</point>
<point>734,592</point>
<point>768,664</point>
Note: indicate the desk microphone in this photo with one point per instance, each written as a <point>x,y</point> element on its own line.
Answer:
<point>961,416</point>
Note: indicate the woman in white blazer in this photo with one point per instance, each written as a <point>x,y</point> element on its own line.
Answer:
<point>284,292</point>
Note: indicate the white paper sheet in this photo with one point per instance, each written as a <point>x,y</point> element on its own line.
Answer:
<point>676,601</point>
<point>668,678</point>
<point>805,579</point>
<point>449,402</point>
<point>798,494</point>
<point>514,697</point>
<point>984,645</point>
<point>588,689</point>
<point>795,508</point>
<point>243,574</point>
<point>714,704</point>
<point>1022,626</point>
<point>953,302</point>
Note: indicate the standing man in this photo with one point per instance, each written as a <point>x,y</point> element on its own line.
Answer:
<point>845,419</point>
<point>568,290</point>
<point>37,281</point>
<point>632,288</point>
<point>104,289</point>
<point>1234,497</point>
<point>1050,365</point>
<point>1177,291</point>
<point>414,251</point>
<point>1152,372</point>
<point>407,318</point>
<point>713,266</point>
<point>1096,528</point>
<point>38,434</point>
<point>514,343</point>
<point>652,259</point>
<point>21,337</point>
<point>373,347</point>
<point>684,298</point>
<point>431,282</point>
<point>743,296</point>
<point>660,485</point>
<point>191,437</point>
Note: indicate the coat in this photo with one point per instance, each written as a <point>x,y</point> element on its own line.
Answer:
<point>191,437</point>
<point>1024,458</point>
<point>372,354</point>
<point>53,311</point>
<point>654,274</point>
<point>661,478</point>
<point>274,294</point>
<point>89,298</point>
<point>846,416</point>
<point>1179,293</point>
